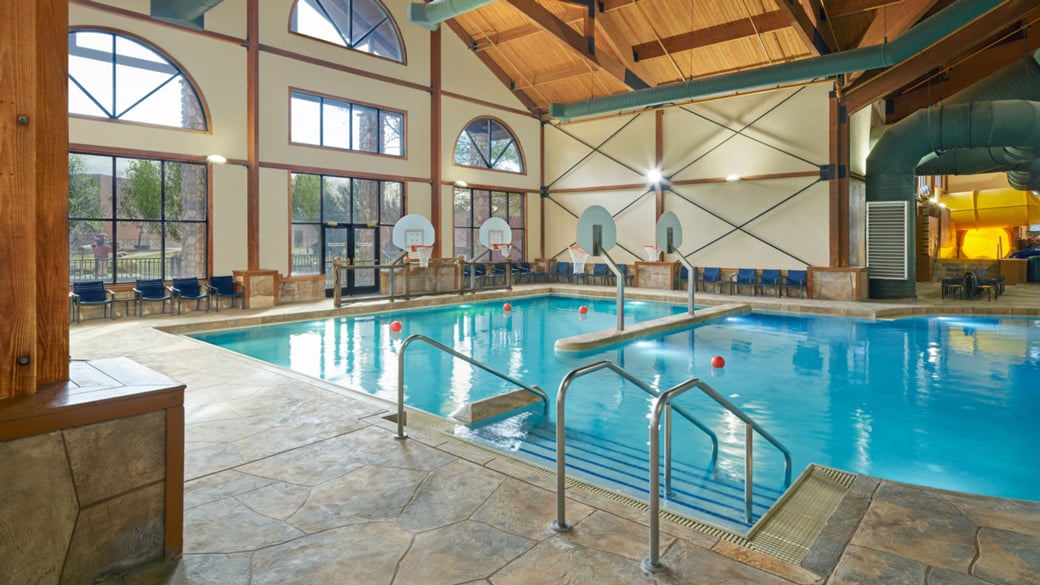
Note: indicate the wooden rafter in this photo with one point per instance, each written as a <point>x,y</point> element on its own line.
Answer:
<point>608,30</point>
<point>711,35</point>
<point>840,8</point>
<point>892,23</point>
<point>572,15</point>
<point>554,74</point>
<point>944,51</point>
<point>494,68</point>
<point>576,42</point>
<point>816,42</point>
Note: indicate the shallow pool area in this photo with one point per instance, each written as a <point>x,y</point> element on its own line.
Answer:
<point>938,401</point>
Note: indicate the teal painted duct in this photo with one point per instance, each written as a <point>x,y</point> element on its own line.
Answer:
<point>916,39</point>
<point>183,12</point>
<point>894,160</point>
<point>430,15</point>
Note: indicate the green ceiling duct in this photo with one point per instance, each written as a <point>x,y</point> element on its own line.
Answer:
<point>914,40</point>
<point>187,13</point>
<point>430,15</point>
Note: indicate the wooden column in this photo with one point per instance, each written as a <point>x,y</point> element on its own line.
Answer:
<point>659,163</point>
<point>839,184</point>
<point>435,144</point>
<point>34,347</point>
<point>253,134</point>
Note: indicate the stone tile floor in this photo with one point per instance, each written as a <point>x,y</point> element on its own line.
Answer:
<point>291,480</point>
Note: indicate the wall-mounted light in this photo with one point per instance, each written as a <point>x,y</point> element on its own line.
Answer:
<point>732,177</point>
<point>217,159</point>
<point>461,184</point>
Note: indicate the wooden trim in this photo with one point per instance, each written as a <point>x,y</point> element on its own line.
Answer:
<point>516,141</point>
<point>209,219</point>
<point>147,18</point>
<point>488,104</point>
<point>340,67</point>
<point>541,200</point>
<point>390,18</point>
<point>658,163</point>
<point>340,172</point>
<point>133,152</point>
<point>351,102</point>
<point>493,66</point>
<point>52,188</point>
<point>253,135</point>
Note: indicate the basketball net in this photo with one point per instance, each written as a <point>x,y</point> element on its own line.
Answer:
<point>422,253</point>
<point>578,257</point>
<point>504,249</point>
<point>653,253</point>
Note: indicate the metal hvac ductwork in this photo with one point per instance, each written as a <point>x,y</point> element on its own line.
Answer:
<point>182,12</point>
<point>914,40</point>
<point>430,15</point>
<point>959,136</point>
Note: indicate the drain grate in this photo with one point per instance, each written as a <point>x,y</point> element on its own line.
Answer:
<point>791,526</point>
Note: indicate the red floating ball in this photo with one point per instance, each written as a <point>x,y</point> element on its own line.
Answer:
<point>395,326</point>
<point>583,309</point>
<point>717,362</point>
<point>507,307</point>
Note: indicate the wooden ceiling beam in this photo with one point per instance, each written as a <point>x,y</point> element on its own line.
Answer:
<point>494,68</point>
<point>840,8</point>
<point>555,74</point>
<point>577,43</point>
<point>889,24</point>
<point>572,15</point>
<point>941,53</point>
<point>612,5</point>
<point>712,35</point>
<point>814,40</point>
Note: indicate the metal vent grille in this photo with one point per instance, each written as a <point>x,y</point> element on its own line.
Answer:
<point>886,239</point>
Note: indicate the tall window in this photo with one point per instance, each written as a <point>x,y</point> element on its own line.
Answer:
<point>364,25</point>
<point>133,218</point>
<point>473,207</point>
<point>338,124</point>
<point>488,144</point>
<point>319,199</point>
<point>116,77</point>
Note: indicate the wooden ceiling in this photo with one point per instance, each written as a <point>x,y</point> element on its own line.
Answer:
<point>553,51</point>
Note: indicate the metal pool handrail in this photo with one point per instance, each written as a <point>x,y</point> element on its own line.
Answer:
<point>560,524</point>
<point>400,376</point>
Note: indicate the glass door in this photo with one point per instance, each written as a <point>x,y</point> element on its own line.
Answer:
<point>356,245</point>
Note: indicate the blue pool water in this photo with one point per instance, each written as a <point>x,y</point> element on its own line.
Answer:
<point>948,402</point>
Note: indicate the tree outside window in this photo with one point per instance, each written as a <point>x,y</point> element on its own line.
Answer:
<point>487,143</point>
<point>472,207</point>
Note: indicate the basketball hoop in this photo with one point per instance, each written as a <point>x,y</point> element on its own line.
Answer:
<point>653,253</point>
<point>578,257</point>
<point>421,253</point>
<point>504,249</point>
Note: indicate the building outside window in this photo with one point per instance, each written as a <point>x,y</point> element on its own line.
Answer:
<point>473,207</point>
<point>362,25</point>
<point>136,218</point>
<point>333,123</point>
<point>342,216</point>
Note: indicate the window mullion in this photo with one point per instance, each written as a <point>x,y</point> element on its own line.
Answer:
<point>147,95</point>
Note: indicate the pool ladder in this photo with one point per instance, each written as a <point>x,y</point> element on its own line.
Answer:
<point>400,376</point>
<point>662,407</point>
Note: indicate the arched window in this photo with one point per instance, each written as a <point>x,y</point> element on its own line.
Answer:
<point>488,144</point>
<point>364,25</point>
<point>120,78</point>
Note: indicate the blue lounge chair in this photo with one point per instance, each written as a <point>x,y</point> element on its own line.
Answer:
<point>712,276</point>
<point>224,286</point>
<point>600,272</point>
<point>92,293</point>
<point>770,277</point>
<point>189,289</point>
<point>796,279</point>
<point>563,271</point>
<point>743,277</point>
<point>150,291</point>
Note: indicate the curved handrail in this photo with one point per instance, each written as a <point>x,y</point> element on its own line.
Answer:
<point>400,376</point>
<point>560,524</point>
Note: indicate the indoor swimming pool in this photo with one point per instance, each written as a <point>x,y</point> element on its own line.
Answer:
<point>946,402</point>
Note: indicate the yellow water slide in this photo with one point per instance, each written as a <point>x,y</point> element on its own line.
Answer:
<point>985,219</point>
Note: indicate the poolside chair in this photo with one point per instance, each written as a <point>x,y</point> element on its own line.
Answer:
<point>535,272</point>
<point>769,277</point>
<point>600,273</point>
<point>188,289</point>
<point>150,291</point>
<point>711,276</point>
<point>92,293</point>
<point>612,279</point>
<point>743,277</point>
<point>224,287</point>
<point>953,286</point>
<point>994,285</point>
<point>563,272</point>
<point>473,275</point>
<point>796,279</point>
<point>521,272</point>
